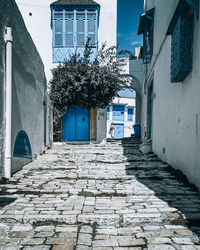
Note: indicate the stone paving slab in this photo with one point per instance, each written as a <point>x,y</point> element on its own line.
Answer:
<point>109,197</point>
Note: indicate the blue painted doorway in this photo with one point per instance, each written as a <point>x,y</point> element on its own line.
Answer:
<point>75,125</point>
<point>118,131</point>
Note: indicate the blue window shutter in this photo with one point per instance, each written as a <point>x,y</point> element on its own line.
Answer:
<point>181,48</point>
<point>130,114</point>
<point>108,113</point>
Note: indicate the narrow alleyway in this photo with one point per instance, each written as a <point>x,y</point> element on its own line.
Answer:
<point>99,197</point>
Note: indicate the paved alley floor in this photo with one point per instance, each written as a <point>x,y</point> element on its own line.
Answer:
<point>99,197</point>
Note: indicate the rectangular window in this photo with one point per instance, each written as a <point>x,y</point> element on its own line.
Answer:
<point>80,24</point>
<point>69,40</point>
<point>69,28</point>
<point>58,40</point>
<point>181,48</point>
<point>58,26</point>
<point>130,114</point>
<point>58,29</point>
<point>92,39</point>
<point>80,39</point>
<point>118,112</point>
<point>91,26</point>
<point>108,113</point>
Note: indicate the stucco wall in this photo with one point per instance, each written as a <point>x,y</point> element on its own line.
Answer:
<point>29,83</point>
<point>176,108</point>
<point>101,125</point>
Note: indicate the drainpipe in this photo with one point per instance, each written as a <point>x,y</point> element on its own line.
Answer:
<point>8,102</point>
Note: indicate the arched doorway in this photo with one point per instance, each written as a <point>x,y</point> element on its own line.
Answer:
<point>22,147</point>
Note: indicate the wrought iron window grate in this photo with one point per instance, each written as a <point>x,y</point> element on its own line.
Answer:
<point>182,48</point>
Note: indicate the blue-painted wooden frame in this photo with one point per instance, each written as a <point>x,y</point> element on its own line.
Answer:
<point>60,53</point>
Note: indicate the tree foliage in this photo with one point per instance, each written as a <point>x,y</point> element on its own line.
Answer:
<point>85,82</point>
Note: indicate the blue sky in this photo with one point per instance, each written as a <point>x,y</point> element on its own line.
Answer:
<point>128,13</point>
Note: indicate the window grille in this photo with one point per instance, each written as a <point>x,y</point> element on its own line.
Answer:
<point>181,48</point>
<point>148,43</point>
<point>146,28</point>
<point>71,29</point>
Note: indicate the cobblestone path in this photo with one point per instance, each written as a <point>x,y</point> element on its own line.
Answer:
<point>99,197</point>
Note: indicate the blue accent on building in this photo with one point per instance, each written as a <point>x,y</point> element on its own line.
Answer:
<point>130,114</point>
<point>76,125</point>
<point>118,130</point>
<point>181,31</point>
<point>146,27</point>
<point>22,147</point>
<point>108,113</point>
<point>118,112</point>
<point>72,26</point>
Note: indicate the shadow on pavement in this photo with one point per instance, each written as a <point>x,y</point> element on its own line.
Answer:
<point>4,201</point>
<point>167,184</point>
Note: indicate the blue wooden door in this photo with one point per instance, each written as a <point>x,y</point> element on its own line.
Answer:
<point>75,125</point>
<point>82,124</point>
<point>118,131</point>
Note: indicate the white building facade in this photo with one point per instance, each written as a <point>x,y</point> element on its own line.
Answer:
<point>121,115</point>
<point>170,93</point>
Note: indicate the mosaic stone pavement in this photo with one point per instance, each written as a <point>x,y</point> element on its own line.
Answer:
<point>105,197</point>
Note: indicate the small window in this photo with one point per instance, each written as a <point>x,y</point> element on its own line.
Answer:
<point>91,26</point>
<point>130,114</point>
<point>92,39</point>
<point>118,112</point>
<point>58,26</point>
<point>58,40</point>
<point>80,40</point>
<point>80,26</point>
<point>108,113</point>
<point>69,26</point>
<point>69,40</point>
